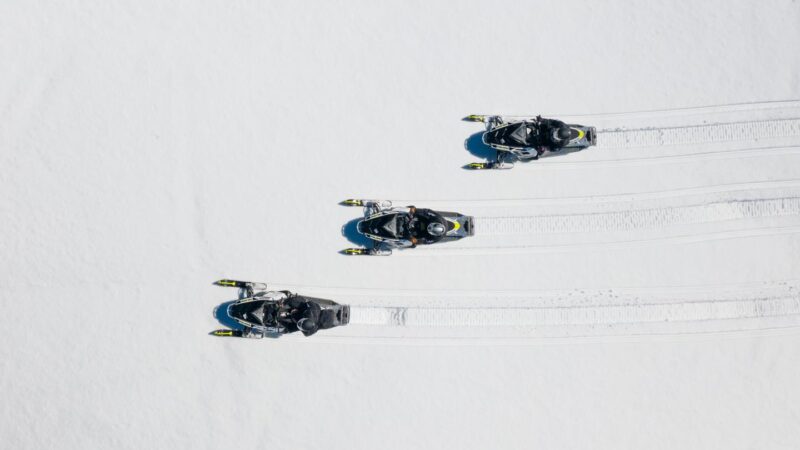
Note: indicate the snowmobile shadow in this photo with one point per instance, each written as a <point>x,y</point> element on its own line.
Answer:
<point>474,144</point>
<point>221,314</point>
<point>350,231</point>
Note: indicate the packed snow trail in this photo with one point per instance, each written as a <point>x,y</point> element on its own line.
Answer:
<point>639,219</point>
<point>698,134</point>
<point>704,191</point>
<point>488,316</point>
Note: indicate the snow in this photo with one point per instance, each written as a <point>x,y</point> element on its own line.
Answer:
<point>148,149</point>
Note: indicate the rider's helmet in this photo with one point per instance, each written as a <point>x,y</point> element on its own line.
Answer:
<point>306,325</point>
<point>561,133</point>
<point>436,229</point>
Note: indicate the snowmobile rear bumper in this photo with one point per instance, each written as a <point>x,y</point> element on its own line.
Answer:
<point>592,135</point>
<point>469,226</point>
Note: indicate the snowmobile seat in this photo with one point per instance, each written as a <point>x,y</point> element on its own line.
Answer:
<point>327,319</point>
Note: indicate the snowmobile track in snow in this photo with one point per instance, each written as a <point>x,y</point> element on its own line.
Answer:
<point>576,315</point>
<point>639,219</point>
<point>698,134</point>
<point>529,315</point>
<point>611,198</point>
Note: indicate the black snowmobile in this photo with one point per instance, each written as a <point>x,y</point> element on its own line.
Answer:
<point>263,313</point>
<point>528,139</point>
<point>406,227</point>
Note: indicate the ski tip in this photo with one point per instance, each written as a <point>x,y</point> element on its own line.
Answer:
<point>477,166</point>
<point>224,282</point>
<point>355,251</point>
<point>229,333</point>
<point>352,202</point>
<point>474,118</point>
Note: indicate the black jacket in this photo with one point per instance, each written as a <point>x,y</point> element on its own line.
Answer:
<point>546,127</point>
<point>299,308</point>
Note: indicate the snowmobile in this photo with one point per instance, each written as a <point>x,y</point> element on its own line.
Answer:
<point>522,139</point>
<point>405,227</point>
<point>263,313</point>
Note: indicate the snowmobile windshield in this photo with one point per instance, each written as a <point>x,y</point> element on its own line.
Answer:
<point>257,312</point>
<point>394,226</point>
<point>522,134</point>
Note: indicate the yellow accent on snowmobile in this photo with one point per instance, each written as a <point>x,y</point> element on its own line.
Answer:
<point>223,332</point>
<point>581,133</point>
<point>456,226</point>
<point>226,283</point>
<point>353,202</point>
<point>475,118</point>
<point>476,165</point>
<point>355,251</point>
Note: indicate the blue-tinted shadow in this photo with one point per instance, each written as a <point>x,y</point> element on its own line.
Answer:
<point>350,231</point>
<point>474,144</point>
<point>221,314</point>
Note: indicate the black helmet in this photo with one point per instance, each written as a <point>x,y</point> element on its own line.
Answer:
<point>306,325</point>
<point>561,133</point>
<point>436,229</point>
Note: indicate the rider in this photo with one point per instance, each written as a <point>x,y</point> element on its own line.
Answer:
<point>555,134</point>
<point>425,225</point>
<point>300,314</point>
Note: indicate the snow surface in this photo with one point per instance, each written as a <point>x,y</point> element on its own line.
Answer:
<point>641,294</point>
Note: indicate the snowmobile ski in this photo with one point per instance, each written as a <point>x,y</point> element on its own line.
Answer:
<point>368,251</point>
<point>379,204</point>
<point>479,166</point>
<point>489,165</point>
<point>356,251</point>
<point>474,118</point>
<point>247,285</point>
<point>239,284</point>
<point>227,333</point>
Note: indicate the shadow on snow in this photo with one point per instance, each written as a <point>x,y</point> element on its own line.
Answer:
<point>350,231</point>
<point>474,144</point>
<point>221,314</point>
